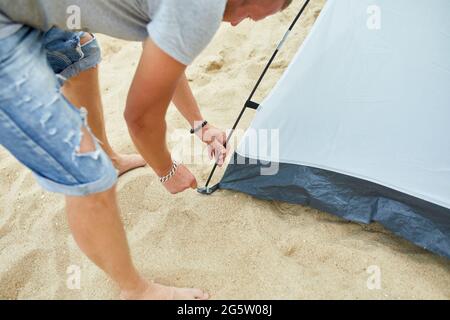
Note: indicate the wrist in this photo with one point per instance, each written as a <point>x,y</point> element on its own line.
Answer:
<point>201,133</point>
<point>170,174</point>
<point>164,168</point>
<point>198,127</point>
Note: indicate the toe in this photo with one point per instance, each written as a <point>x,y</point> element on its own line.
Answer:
<point>205,296</point>
<point>200,295</point>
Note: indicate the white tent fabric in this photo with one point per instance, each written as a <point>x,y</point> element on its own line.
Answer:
<point>368,96</point>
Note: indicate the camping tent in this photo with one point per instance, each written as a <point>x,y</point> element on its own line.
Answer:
<point>359,124</point>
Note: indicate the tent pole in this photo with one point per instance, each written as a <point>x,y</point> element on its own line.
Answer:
<point>249,103</point>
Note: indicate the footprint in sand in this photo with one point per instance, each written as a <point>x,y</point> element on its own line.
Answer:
<point>214,64</point>
<point>289,251</point>
<point>137,193</point>
<point>110,48</point>
<point>284,209</point>
<point>7,201</point>
<point>280,64</point>
<point>203,80</point>
<point>19,273</point>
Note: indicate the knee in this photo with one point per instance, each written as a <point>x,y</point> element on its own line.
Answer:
<point>136,121</point>
<point>68,60</point>
<point>85,38</point>
<point>129,117</point>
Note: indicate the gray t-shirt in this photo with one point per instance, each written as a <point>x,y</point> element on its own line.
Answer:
<point>181,28</point>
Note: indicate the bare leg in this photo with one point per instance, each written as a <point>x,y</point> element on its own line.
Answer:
<point>83,90</point>
<point>97,228</point>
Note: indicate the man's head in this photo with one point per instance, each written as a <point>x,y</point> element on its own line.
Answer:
<point>238,10</point>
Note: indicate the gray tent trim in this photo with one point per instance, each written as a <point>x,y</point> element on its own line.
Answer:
<point>423,223</point>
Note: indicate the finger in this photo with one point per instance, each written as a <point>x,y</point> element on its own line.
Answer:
<point>194,184</point>
<point>220,160</point>
<point>220,153</point>
<point>210,152</point>
<point>223,156</point>
<point>224,139</point>
<point>227,147</point>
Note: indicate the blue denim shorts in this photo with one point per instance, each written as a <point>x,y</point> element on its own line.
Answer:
<point>37,124</point>
<point>67,56</point>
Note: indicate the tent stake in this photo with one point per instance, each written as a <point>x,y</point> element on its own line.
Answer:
<point>249,103</point>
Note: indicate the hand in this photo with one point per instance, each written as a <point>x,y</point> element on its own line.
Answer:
<point>216,140</point>
<point>181,181</point>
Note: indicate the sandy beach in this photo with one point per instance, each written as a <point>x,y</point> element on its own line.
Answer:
<point>232,245</point>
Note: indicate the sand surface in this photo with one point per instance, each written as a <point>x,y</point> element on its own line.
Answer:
<point>232,245</point>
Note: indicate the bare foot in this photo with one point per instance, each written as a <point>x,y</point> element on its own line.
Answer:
<point>155,291</point>
<point>126,163</point>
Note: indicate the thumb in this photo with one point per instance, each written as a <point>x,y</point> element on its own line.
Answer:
<point>194,184</point>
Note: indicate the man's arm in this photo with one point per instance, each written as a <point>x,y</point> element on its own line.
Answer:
<point>187,105</point>
<point>185,102</point>
<point>154,84</point>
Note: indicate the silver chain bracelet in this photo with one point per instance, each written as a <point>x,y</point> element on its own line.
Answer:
<point>172,172</point>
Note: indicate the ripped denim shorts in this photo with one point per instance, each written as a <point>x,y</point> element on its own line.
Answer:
<point>66,56</point>
<point>38,126</point>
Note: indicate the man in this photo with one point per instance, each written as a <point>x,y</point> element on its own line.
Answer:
<point>51,137</point>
